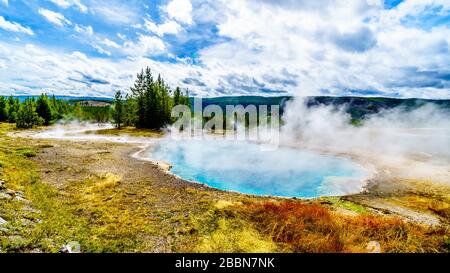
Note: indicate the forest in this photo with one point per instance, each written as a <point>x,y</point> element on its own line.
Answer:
<point>148,105</point>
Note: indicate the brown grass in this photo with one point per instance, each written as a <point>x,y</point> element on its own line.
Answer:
<point>312,228</point>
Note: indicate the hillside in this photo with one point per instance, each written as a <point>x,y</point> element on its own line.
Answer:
<point>358,107</point>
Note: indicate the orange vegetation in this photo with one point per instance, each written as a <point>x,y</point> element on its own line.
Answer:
<point>303,227</point>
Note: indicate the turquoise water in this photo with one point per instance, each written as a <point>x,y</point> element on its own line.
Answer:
<point>246,168</point>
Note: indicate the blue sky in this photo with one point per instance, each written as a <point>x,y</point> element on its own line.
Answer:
<point>388,48</point>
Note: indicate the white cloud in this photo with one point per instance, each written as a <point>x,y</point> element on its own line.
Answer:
<point>13,26</point>
<point>74,73</point>
<point>113,12</point>
<point>110,43</point>
<point>312,47</point>
<point>68,3</point>
<point>5,2</point>
<point>170,27</point>
<point>54,17</point>
<point>265,46</point>
<point>101,50</point>
<point>87,30</point>
<point>144,46</point>
<point>180,10</point>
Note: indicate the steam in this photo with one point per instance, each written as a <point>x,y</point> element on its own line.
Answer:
<point>394,136</point>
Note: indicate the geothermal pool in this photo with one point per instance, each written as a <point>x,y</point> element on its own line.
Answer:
<point>246,168</point>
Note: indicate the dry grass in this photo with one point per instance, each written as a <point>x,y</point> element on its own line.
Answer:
<point>234,236</point>
<point>313,228</point>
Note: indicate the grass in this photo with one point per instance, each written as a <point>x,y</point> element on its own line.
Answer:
<point>314,228</point>
<point>426,196</point>
<point>287,226</point>
<point>130,131</point>
<point>234,236</point>
<point>345,204</point>
<point>93,212</point>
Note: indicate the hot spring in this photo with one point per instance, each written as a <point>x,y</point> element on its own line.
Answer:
<point>246,168</point>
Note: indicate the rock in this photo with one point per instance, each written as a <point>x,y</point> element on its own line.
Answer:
<point>26,222</point>
<point>16,242</point>
<point>20,194</point>
<point>10,192</point>
<point>31,210</point>
<point>5,196</point>
<point>373,247</point>
<point>21,199</point>
<point>71,247</point>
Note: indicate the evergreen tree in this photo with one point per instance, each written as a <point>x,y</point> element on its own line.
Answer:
<point>153,101</point>
<point>138,94</point>
<point>130,112</point>
<point>43,109</point>
<point>3,109</point>
<point>27,116</point>
<point>118,110</point>
<point>13,108</point>
<point>177,96</point>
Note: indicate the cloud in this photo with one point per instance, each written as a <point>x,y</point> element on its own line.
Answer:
<point>358,41</point>
<point>115,12</point>
<point>144,46</point>
<point>109,43</point>
<point>87,30</point>
<point>101,50</point>
<point>267,47</point>
<point>75,73</point>
<point>5,2</point>
<point>14,27</point>
<point>170,27</point>
<point>180,10</point>
<point>54,17</point>
<point>68,3</point>
<point>337,46</point>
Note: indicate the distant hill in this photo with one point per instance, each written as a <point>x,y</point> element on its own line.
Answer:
<point>358,107</point>
<point>70,98</point>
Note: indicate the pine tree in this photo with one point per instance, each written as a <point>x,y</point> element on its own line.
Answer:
<point>13,108</point>
<point>153,101</point>
<point>43,109</point>
<point>130,112</point>
<point>3,109</point>
<point>118,110</point>
<point>138,94</point>
<point>27,116</point>
<point>177,96</point>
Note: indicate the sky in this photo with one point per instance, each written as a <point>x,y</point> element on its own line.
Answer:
<point>389,48</point>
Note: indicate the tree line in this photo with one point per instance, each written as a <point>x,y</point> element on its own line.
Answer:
<point>32,111</point>
<point>148,105</point>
